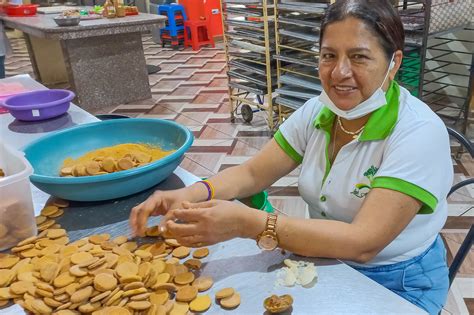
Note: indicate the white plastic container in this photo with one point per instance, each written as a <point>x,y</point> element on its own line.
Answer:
<point>17,217</point>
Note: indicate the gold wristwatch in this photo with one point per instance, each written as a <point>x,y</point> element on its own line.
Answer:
<point>268,239</point>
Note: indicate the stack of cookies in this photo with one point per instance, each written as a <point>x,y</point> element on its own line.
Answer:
<point>47,274</point>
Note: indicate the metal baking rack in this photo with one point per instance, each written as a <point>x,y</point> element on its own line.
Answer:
<point>297,26</point>
<point>249,45</point>
<point>438,56</point>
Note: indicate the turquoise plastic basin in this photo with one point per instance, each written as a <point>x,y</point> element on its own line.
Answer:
<point>47,154</point>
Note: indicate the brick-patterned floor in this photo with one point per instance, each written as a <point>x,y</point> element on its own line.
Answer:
<point>191,89</point>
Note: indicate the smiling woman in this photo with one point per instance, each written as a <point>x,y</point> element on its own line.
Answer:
<point>374,199</point>
<point>355,64</point>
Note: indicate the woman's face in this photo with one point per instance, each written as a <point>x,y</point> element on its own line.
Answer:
<point>352,63</point>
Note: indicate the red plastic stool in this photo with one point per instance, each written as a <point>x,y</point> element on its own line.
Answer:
<point>196,34</point>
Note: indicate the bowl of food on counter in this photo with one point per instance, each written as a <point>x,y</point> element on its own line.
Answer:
<point>108,159</point>
<point>68,18</point>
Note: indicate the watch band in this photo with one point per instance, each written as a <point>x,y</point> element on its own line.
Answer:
<point>268,239</point>
<point>271,223</point>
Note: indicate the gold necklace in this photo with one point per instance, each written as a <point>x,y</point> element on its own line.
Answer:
<point>334,131</point>
<point>354,134</point>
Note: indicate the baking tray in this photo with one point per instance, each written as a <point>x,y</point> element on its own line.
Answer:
<point>248,66</point>
<point>248,55</point>
<point>250,12</point>
<point>252,40</point>
<point>299,81</point>
<point>260,80</point>
<point>292,91</point>
<point>310,36</point>
<point>247,24</point>
<point>298,58</point>
<point>247,33</point>
<point>256,2</point>
<point>290,102</point>
<point>249,87</point>
<point>290,44</point>
<point>321,3</point>
<point>256,38</point>
<point>247,46</point>
<point>305,20</point>
<point>310,73</point>
<point>304,7</point>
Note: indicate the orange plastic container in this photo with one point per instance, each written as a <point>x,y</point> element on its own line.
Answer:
<point>205,9</point>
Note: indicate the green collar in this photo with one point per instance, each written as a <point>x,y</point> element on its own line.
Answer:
<point>380,124</point>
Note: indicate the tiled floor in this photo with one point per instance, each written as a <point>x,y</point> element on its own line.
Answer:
<point>191,89</point>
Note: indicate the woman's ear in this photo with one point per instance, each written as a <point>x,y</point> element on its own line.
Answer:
<point>397,59</point>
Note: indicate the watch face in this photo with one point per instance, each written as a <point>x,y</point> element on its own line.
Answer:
<point>267,242</point>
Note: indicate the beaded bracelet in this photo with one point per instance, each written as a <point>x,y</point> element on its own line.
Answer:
<point>210,189</point>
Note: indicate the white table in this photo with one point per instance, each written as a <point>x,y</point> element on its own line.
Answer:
<point>237,263</point>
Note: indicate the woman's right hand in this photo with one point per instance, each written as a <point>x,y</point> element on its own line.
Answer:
<point>157,204</point>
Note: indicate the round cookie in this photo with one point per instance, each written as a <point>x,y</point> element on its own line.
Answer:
<point>203,283</point>
<point>200,303</point>
<point>104,282</point>
<point>225,293</point>
<point>231,301</point>
<point>201,252</point>
<point>186,293</point>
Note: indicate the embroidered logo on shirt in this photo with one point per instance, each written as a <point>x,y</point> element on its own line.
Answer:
<point>362,189</point>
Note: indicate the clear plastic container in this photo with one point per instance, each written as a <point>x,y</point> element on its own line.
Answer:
<point>17,217</point>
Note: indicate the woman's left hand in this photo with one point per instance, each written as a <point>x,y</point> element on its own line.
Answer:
<point>205,223</point>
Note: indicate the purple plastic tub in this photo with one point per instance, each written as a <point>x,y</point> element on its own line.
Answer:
<point>39,105</point>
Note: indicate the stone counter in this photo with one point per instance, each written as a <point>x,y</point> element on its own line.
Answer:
<point>43,26</point>
<point>102,60</point>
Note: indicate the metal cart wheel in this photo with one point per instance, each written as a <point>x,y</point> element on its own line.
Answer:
<point>247,113</point>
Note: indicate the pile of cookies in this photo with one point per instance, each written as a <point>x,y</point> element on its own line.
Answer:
<point>101,165</point>
<point>16,222</point>
<point>99,275</point>
<point>112,159</point>
<point>46,219</point>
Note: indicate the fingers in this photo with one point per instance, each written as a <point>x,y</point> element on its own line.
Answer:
<point>188,215</point>
<point>188,232</point>
<point>142,218</point>
<point>204,204</point>
<point>140,214</point>
<point>175,215</point>
<point>179,230</point>
<point>169,216</point>
<point>133,219</point>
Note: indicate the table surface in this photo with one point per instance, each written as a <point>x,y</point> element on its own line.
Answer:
<point>43,25</point>
<point>237,263</point>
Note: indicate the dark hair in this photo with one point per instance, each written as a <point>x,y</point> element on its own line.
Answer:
<point>379,16</point>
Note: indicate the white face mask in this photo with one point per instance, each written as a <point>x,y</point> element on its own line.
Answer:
<point>375,101</point>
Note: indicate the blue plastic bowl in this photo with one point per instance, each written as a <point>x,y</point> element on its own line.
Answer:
<point>47,154</point>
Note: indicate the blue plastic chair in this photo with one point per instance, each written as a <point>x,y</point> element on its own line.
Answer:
<point>171,11</point>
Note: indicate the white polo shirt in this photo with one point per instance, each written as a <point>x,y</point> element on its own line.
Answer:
<point>404,146</point>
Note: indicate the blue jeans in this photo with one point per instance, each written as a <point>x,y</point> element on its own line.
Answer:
<point>2,67</point>
<point>422,280</point>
